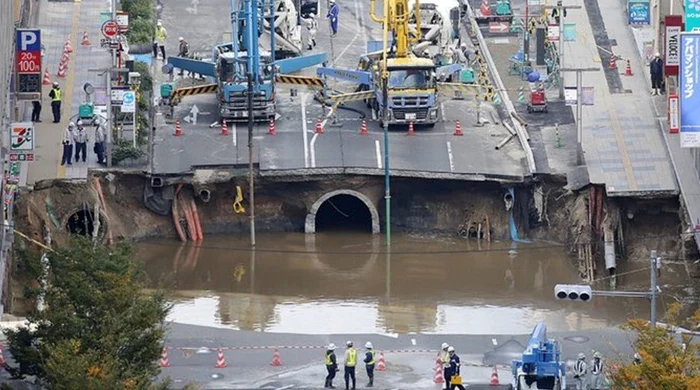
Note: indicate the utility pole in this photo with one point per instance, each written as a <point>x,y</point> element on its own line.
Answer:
<point>653,287</point>
<point>561,12</point>
<point>579,108</point>
<point>109,93</point>
<point>251,176</point>
<point>387,181</point>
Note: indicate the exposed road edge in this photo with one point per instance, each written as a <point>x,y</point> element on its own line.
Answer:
<point>500,87</point>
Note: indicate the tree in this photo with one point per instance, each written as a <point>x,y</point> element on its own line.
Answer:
<point>669,360</point>
<point>98,330</point>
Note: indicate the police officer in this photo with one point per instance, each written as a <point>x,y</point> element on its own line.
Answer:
<point>455,364</point>
<point>332,15</point>
<point>68,140</point>
<point>445,362</point>
<point>55,96</point>
<point>580,371</point>
<point>81,139</point>
<point>350,363</point>
<point>331,366</point>
<point>369,363</point>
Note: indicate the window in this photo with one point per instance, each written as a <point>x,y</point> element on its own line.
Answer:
<point>411,79</point>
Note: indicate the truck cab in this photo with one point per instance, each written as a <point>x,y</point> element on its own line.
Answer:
<point>412,89</point>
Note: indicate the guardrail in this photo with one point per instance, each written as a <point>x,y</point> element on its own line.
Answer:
<point>520,130</point>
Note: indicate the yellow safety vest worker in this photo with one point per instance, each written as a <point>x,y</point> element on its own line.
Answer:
<point>371,362</point>
<point>350,357</point>
<point>328,359</point>
<point>160,34</point>
<point>446,358</point>
<point>56,95</point>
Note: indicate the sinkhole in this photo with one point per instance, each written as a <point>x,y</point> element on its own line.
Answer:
<point>82,222</point>
<point>343,212</point>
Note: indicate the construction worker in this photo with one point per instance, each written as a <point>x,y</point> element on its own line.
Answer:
<point>455,364</point>
<point>68,140</point>
<point>184,51</point>
<point>99,147</point>
<point>369,363</point>
<point>332,15</point>
<point>312,28</point>
<point>331,366</point>
<point>81,139</point>
<point>445,362</point>
<point>55,96</point>
<point>350,363</point>
<point>36,111</point>
<point>580,371</point>
<point>161,34</point>
<point>637,359</point>
<point>656,69</point>
<point>597,372</point>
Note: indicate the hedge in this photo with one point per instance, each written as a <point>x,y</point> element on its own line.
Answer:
<point>141,26</point>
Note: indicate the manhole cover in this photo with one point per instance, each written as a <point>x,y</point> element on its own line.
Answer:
<point>577,339</point>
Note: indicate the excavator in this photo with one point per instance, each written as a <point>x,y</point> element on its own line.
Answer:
<point>231,63</point>
<point>541,367</point>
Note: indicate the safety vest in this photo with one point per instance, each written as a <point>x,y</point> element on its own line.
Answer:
<point>445,358</point>
<point>160,34</point>
<point>350,357</point>
<point>597,367</point>
<point>329,362</point>
<point>371,362</point>
<point>56,95</point>
<point>580,368</point>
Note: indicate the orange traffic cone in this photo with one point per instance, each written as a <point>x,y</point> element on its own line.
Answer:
<point>224,128</point>
<point>86,40</point>
<point>381,364</point>
<point>411,132</point>
<point>276,362</point>
<point>178,129</point>
<point>164,361</point>
<point>628,69</point>
<point>2,358</point>
<point>363,128</point>
<point>271,130</point>
<point>438,378</point>
<point>65,58</point>
<point>485,8</point>
<point>319,127</point>
<point>67,48</point>
<point>47,78</point>
<point>220,359</point>
<point>458,129</point>
<point>62,68</point>
<point>613,62</point>
<point>494,377</point>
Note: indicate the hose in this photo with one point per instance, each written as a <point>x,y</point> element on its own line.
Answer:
<point>237,205</point>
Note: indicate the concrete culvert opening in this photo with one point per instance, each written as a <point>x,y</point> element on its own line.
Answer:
<point>82,222</point>
<point>343,212</point>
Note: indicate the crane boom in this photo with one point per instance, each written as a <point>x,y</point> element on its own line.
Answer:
<point>396,20</point>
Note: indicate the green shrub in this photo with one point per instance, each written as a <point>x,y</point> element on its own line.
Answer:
<point>124,150</point>
<point>141,31</point>
<point>138,9</point>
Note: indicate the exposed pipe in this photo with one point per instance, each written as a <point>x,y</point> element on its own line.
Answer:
<point>205,195</point>
<point>505,141</point>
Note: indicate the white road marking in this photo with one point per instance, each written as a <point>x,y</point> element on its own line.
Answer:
<point>285,387</point>
<point>449,155</point>
<point>413,341</point>
<point>346,48</point>
<point>378,150</point>
<point>313,150</point>
<point>494,341</point>
<point>442,111</point>
<point>304,129</point>
<point>234,134</point>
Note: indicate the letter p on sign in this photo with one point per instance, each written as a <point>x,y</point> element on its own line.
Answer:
<point>29,41</point>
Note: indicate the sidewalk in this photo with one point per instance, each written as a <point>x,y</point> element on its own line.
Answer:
<point>621,139</point>
<point>58,21</point>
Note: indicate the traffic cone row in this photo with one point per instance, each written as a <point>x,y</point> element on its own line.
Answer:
<point>613,62</point>
<point>628,69</point>
<point>65,58</point>
<point>458,129</point>
<point>276,362</point>
<point>67,48</point>
<point>438,378</point>
<point>271,130</point>
<point>62,69</point>
<point>47,78</point>
<point>164,361</point>
<point>86,40</point>
<point>319,127</point>
<point>220,359</point>
<point>363,128</point>
<point>178,129</point>
<point>224,128</point>
<point>411,131</point>
<point>381,364</point>
<point>494,377</point>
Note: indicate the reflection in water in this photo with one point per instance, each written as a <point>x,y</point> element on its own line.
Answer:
<point>347,283</point>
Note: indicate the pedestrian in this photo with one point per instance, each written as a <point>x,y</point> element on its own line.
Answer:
<point>369,363</point>
<point>312,27</point>
<point>350,363</point>
<point>331,366</point>
<point>580,371</point>
<point>445,362</point>
<point>36,111</point>
<point>68,140</point>
<point>597,372</point>
<point>99,147</point>
<point>161,35</point>
<point>184,51</point>
<point>81,139</point>
<point>455,364</point>
<point>656,68</point>
<point>332,15</point>
<point>55,96</point>
<point>637,360</point>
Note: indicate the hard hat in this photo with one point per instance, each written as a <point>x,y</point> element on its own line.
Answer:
<point>657,54</point>
<point>463,44</point>
<point>349,343</point>
<point>597,355</point>
<point>581,356</point>
<point>312,15</point>
<point>331,347</point>
<point>159,24</point>
<point>332,1</point>
<point>55,84</point>
<point>180,39</point>
<point>445,345</point>
<point>71,124</point>
<point>368,345</point>
<point>451,349</point>
<point>80,123</point>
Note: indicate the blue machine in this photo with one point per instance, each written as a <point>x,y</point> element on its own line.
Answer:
<point>232,62</point>
<point>541,366</point>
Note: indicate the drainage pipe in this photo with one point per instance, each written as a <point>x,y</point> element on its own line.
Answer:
<point>195,216</point>
<point>98,186</point>
<point>500,88</point>
<point>188,218</point>
<point>176,221</point>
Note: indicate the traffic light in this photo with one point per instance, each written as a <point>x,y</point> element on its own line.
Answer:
<point>574,292</point>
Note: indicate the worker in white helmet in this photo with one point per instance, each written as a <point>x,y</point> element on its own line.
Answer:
<point>350,363</point>
<point>369,363</point>
<point>312,28</point>
<point>332,16</point>
<point>68,142</point>
<point>637,359</point>
<point>331,366</point>
<point>455,364</point>
<point>597,372</point>
<point>580,371</point>
<point>445,362</point>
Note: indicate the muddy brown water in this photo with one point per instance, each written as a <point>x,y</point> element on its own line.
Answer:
<point>348,283</point>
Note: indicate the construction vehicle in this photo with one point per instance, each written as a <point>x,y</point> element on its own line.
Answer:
<point>232,62</point>
<point>498,11</point>
<point>440,23</point>
<point>540,367</point>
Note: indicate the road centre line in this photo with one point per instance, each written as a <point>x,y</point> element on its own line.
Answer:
<point>313,150</point>
<point>378,151</point>
<point>449,155</point>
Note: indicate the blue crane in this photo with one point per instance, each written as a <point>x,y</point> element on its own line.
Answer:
<point>541,366</point>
